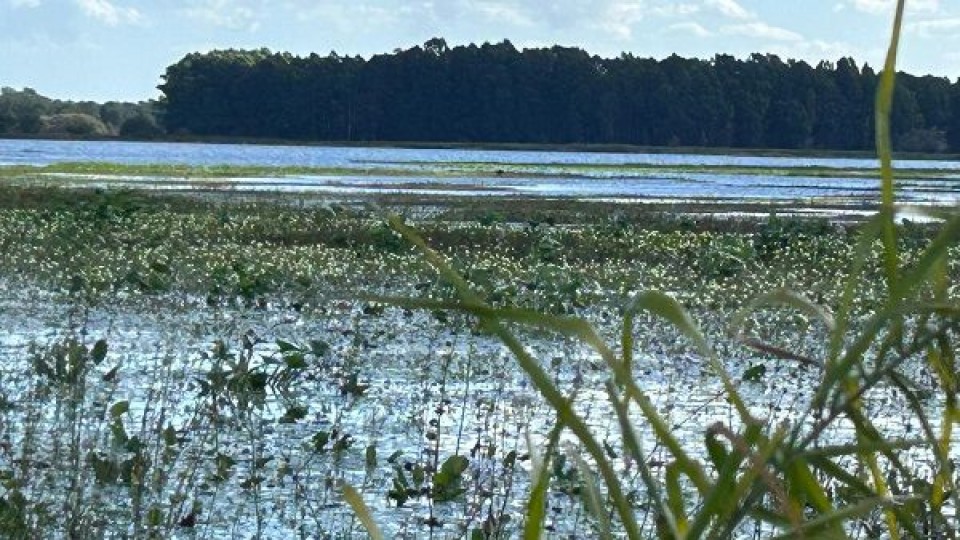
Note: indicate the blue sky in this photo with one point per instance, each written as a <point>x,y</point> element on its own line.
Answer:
<point>117,49</point>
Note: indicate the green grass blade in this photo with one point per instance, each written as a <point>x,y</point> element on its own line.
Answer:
<point>818,527</point>
<point>884,106</point>
<point>668,308</point>
<point>634,448</point>
<point>626,341</point>
<point>362,511</point>
<point>784,297</point>
<point>861,253</point>
<point>591,496</point>
<point>725,503</point>
<point>533,527</point>
<point>675,498</point>
<point>840,450</point>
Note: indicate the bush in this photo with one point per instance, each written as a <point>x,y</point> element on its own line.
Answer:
<point>73,124</point>
<point>140,127</point>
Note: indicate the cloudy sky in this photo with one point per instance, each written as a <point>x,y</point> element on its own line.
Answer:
<point>117,49</point>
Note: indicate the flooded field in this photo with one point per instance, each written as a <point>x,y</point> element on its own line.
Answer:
<point>363,172</point>
<point>176,364</point>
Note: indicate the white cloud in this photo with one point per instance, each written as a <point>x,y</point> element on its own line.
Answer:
<point>760,29</point>
<point>675,10</point>
<point>109,13</point>
<point>222,13</point>
<point>939,28</point>
<point>885,7</point>
<point>876,7</point>
<point>729,8</point>
<point>24,3</point>
<point>344,16</point>
<point>690,27</point>
<point>620,17</point>
<point>503,12</point>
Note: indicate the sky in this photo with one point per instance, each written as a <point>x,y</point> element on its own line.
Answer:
<point>106,50</point>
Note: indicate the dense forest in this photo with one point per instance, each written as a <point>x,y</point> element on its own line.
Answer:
<point>496,93</point>
<point>25,112</point>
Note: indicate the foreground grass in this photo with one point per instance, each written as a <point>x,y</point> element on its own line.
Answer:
<point>784,477</point>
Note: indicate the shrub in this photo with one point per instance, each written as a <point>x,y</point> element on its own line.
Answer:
<point>73,124</point>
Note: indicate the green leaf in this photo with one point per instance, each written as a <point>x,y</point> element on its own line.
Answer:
<point>120,438</point>
<point>295,361</point>
<point>755,373</point>
<point>537,504</point>
<point>716,450</point>
<point>447,481</point>
<point>510,459</point>
<point>119,408</point>
<point>294,413</point>
<point>320,440</point>
<point>454,466</point>
<point>99,351</point>
<point>319,347</point>
<point>820,526</point>
<point>170,436</point>
<point>286,346</point>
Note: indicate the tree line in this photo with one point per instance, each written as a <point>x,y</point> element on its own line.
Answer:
<point>496,93</point>
<point>27,113</point>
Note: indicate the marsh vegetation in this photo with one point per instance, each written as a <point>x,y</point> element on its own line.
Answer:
<point>221,365</point>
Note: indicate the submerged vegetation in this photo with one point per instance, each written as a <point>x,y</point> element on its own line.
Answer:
<point>221,367</point>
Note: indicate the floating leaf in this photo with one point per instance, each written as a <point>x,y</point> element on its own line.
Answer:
<point>170,436</point>
<point>119,408</point>
<point>294,413</point>
<point>319,347</point>
<point>320,440</point>
<point>755,373</point>
<point>295,361</point>
<point>99,351</point>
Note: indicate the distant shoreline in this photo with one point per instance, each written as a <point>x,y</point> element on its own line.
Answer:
<point>498,146</point>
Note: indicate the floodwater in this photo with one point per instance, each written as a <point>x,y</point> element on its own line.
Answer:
<point>435,389</point>
<point>424,377</point>
<point>548,177</point>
